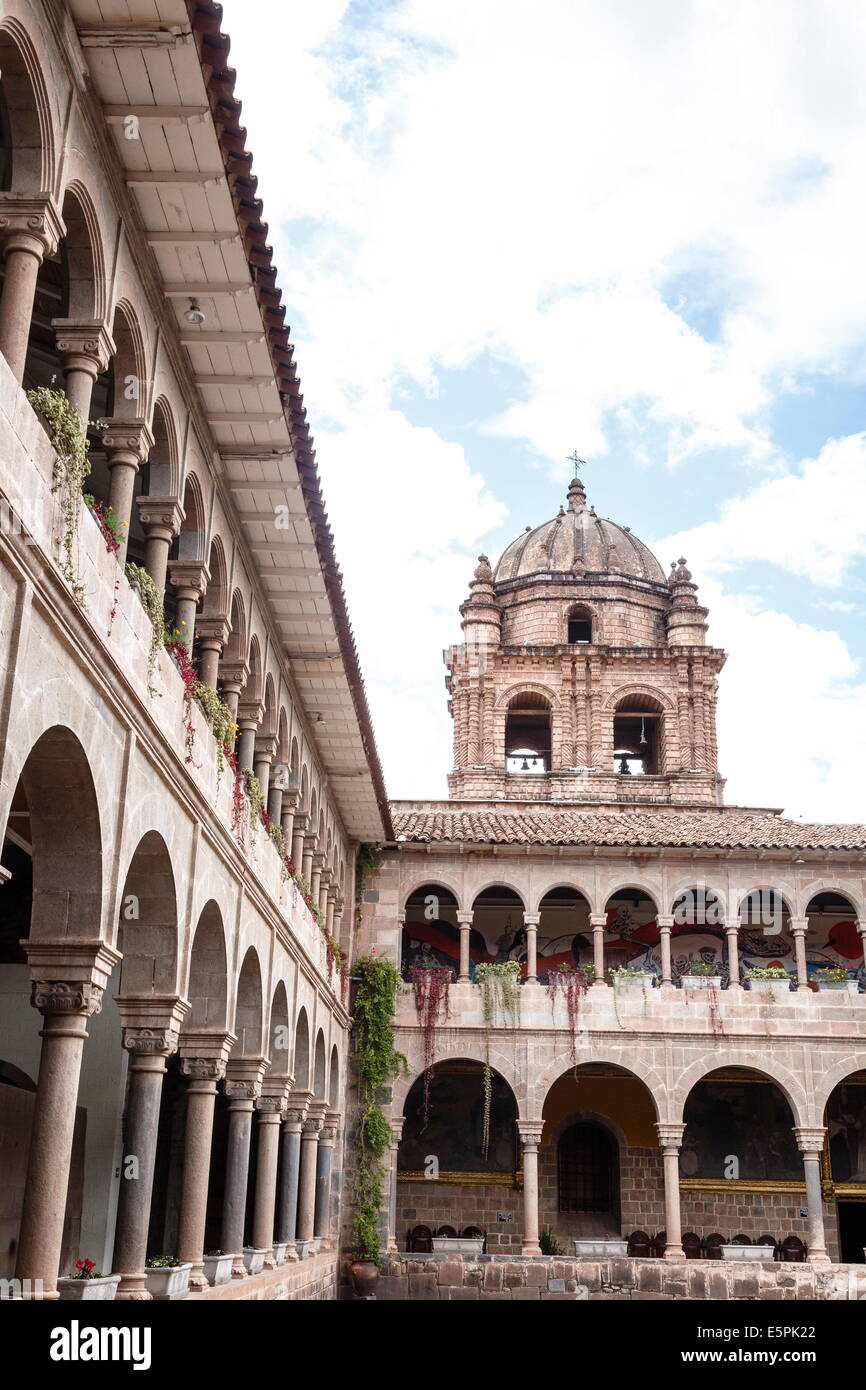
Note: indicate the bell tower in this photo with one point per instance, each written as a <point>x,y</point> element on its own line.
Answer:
<point>584,673</point>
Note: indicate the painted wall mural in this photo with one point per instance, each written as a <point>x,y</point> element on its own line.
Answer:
<point>739,1129</point>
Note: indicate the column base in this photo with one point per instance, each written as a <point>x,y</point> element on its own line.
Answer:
<point>239,1269</point>
<point>530,1250</point>
<point>820,1257</point>
<point>599,984</point>
<point>198,1280</point>
<point>133,1289</point>
<point>291,1253</point>
<point>675,1254</point>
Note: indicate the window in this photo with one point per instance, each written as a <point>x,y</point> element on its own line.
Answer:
<point>579,627</point>
<point>586,1160</point>
<point>637,737</point>
<point>527,734</point>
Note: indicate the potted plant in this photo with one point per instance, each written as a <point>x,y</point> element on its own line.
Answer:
<point>459,1245</point>
<point>281,1248</point>
<point>548,1242</point>
<point>768,979</point>
<point>86,1283</point>
<point>254,1259</point>
<point>738,1250</point>
<point>701,974</point>
<point>218,1267</point>
<point>627,976</point>
<point>599,1247</point>
<point>836,977</point>
<point>167,1276</point>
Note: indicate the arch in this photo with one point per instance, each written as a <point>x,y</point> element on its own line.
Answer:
<point>148,937</point>
<point>268,725</point>
<point>305,791</point>
<point>520,688</point>
<point>279,1035</point>
<point>320,1067</point>
<point>431,883</point>
<point>722,1057</point>
<point>248,1008</point>
<point>208,974</point>
<point>334,1079</point>
<point>66,838</point>
<point>818,887</point>
<point>85,257</point>
<point>283,744</point>
<point>654,1083</point>
<point>747,1116</point>
<point>301,1061</point>
<point>825,1085</point>
<point>536,899</point>
<point>295,765</point>
<point>252,691</point>
<point>502,1061</point>
<point>499,883</point>
<point>691,885</point>
<point>215,602</point>
<point>129,379</point>
<point>632,885</point>
<point>443,1115</point>
<point>28,110</point>
<point>236,646</point>
<point>191,541</point>
<point>528,733</point>
<point>637,690</point>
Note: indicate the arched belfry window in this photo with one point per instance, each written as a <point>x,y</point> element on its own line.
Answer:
<point>579,622</point>
<point>528,734</point>
<point>638,730</point>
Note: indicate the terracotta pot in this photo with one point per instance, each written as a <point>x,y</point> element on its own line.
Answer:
<point>364,1274</point>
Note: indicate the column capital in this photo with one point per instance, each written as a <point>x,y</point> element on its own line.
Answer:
<point>598,919</point>
<point>130,437</point>
<point>213,630</point>
<point>203,1068</point>
<point>670,1136</point>
<point>244,1077</point>
<point>266,747</point>
<point>160,514</point>
<point>312,1124</point>
<point>251,713</point>
<point>88,345</point>
<point>189,577</point>
<point>274,1096</point>
<point>798,926</point>
<point>664,921</point>
<point>531,919</point>
<point>233,675</point>
<point>31,222</point>
<point>69,976</point>
<point>330,1126</point>
<point>465,918</point>
<point>396,1124</point>
<point>810,1139</point>
<point>204,1056</point>
<point>530,1132</point>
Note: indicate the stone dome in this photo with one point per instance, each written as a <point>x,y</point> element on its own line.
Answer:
<point>576,542</point>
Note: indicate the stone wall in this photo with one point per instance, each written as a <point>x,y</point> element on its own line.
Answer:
<point>309,1281</point>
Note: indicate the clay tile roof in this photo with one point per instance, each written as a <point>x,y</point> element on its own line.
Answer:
<point>715,829</point>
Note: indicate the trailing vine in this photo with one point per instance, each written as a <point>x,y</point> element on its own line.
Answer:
<point>179,654</point>
<point>499,990</point>
<point>220,719</point>
<point>365,863</point>
<point>431,984</point>
<point>573,981</point>
<point>106,519</point>
<point>377,1061</point>
<point>71,466</point>
<point>253,790</point>
<point>152,605</point>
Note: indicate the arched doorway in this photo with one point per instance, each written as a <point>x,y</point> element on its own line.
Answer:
<point>845,1118</point>
<point>587,1168</point>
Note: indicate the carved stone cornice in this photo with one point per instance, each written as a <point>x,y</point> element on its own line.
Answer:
<point>83,343</point>
<point>251,712</point>
<point>30,222</point>
<point>266,747</point>
<point>210,630</point>
<point>150,1041</point>
<point>244,1077</point>
<point>129,440</point>
<point>233,675</point>
<point>203,1068</point>
<point>160,514</point>
<point>65,970</point>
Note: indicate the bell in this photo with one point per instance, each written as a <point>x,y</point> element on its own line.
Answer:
<point>624,767</point>
<point>642,734</point>
<point>524,766</point>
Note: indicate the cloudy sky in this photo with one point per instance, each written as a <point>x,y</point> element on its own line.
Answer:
<point>630,227</point>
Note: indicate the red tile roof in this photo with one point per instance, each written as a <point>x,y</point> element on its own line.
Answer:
<point>716,829</point>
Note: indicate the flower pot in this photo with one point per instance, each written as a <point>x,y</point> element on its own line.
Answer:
<point>642,981</point>
<point>598,1248</point>
<point>363,1274</point>
<point>102,1290</point>
<point>701,981</point>
<point>218,1269</point>
<point>840,986</point>
<point>168,1281</point>
<point>771,986</point>
<point>280,1250</point>
<point>254,1261</point>
<point>459,1245</point>
<point>747,1252</point>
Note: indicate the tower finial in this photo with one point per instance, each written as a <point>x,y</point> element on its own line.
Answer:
<point>574,458</point>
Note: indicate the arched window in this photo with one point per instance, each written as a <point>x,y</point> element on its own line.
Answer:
<point>637,736</point>
<point>527,734</point>
<point>579,626</point>
<point>587,1165</point>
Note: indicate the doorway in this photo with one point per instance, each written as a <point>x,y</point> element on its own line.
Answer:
<point>852,1232</point>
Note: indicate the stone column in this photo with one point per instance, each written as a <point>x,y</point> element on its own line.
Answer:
<point>212,633</point>
<point>298,840</point>
<point>233,677</point>
<point>810,1142</point>
<point>243,1087</point>
<point>598,922</point>
<point>85,350</point>
<point>287,818</point>
<point>530,1138</point>
<point>203,1062</point>
<point>670,1139</point>
<point>68,979</point>
<point>31,228</point>
<point>250,715</point>
<point>307,1182</point>
<point>150,1036</point>
<point>315,880</point>
<point>324,880</point>
<point>309,850</point>
<point>391,1244</point>
<point>799,926</point>
<point>530,922</point>
<point>732,936</point>
<point>189,580</point>
<point>464,920</point>
<point>324,1162</point>
<point>263,756</point>
<point>665,926</point>
<point>271,1108</point>
<point>161,518</point>
<point>127,446</point>
<point>287,1224</point>
<point>275,806</point>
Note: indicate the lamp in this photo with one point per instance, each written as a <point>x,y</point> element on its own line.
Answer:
<point>195,314</point>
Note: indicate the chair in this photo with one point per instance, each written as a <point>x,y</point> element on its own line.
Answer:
<point>640,1245</point>
<point>769,1240</point>
<point>447,1231</point>
<point>659,1244</point>
<point>421,1239</point>
<point>691,1245</point>
<point>792,1250</point>
<point>713,1246</point>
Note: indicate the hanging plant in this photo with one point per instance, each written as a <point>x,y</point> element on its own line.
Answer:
<point>220,719</point>
<point>71,466</point>
<point>365,863</point>
<point>238,798</point>
<point>106,520</point>
<point>572,981</point>
<point>152,605</point>
<point>499,990</point>
<point>431,984</point>
<point>253,791</point>
<point>179,654</point>
<point>377,1061</point>
<point>716,1023</point>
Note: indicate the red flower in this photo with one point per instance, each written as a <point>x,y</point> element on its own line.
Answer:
<point>79,1264</point>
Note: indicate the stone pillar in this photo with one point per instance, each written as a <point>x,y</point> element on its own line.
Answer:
<point>68,979</point>
<point>670,1139</point>
<point>309,850</point>
<point>464,920</point>
<point>732,935</point>
<point>275,806</point>
<point>799,926</point>
<point>203,1062</point>
<point>287,1224</point>
<point>307,1181</point>
<point>189,579</point>
<point>85,350</point>
<point>271,1108</point>
<point>31,228</point>
<point>150,1036</point>
<point>665,926</point>
<point>127,446</point>
<point>298,840</point>
<point>263,756</point>
<point>212,633</point>
<point>287,818</point>
<point>324,880</point>
<point>246,743</point>
<point>324,1163</point>
<point>233,677</point>
<point>530,922</point>
<point>315,880</point>
<point>161,518</point>
<point>391,1244</point>
<point>810,1142</point>
<point>243,1087</point>
<point>530,1138</point>
<point>598,922</point>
